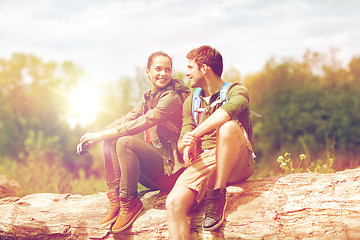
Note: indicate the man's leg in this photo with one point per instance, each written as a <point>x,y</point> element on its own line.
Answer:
<point>230,143</point>
<point>178,202</point>
<point>230,146</point>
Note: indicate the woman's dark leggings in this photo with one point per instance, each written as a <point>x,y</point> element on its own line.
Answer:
<point>130,160</point>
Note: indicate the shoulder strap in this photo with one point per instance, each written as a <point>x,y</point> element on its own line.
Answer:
<point>224,90</point>
<point>196,101</point>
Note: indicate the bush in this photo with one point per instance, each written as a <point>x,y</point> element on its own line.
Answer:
<point>287,164</point>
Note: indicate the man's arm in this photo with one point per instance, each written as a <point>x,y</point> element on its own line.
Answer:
<point>187,145</point>
<point>215,120</point>
<point>238,101</point>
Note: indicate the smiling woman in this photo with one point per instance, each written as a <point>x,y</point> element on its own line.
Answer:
<point>83,102</point>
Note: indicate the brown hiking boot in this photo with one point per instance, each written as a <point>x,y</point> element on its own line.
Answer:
<point>129,209</point>
<point>113,211</point>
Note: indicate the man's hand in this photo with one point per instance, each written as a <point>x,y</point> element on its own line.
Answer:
<point>189,154</point>
<point>188,139</point>
<point>189,143</point>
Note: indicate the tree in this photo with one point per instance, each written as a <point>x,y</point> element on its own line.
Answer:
<point>309,105</point>
<point>32,100</point>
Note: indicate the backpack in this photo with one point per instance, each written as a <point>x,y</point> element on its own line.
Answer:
<point>197,100</point>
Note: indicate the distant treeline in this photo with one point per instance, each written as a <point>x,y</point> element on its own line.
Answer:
<point>308,106</point>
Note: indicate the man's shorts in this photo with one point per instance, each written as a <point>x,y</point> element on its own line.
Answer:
<point>202,171</point>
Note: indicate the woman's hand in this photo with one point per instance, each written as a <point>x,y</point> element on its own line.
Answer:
<point>87,141</point>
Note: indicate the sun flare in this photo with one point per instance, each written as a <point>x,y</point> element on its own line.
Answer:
<point>84,105</point>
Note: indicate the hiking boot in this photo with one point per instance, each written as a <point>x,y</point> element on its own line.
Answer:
<point>215,209</point>
<point>113,210</point>
<point>129,209</point>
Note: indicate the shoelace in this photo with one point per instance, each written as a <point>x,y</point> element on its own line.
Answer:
<point>211,207</point>
<point>125,206</point>
<point>112,201</point>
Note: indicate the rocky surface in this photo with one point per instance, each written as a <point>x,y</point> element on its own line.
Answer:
<point>295,206</point>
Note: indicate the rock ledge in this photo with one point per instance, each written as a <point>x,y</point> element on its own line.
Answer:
<point>295,206</point>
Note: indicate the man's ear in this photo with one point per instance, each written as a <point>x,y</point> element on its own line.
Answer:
<point>204,69</point>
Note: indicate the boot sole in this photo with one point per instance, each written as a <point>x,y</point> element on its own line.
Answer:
<point>219,223</point>
<point>129,223</point>
<point>108,222</point>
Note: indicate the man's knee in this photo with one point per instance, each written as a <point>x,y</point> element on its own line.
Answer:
<point>179,200</point>
<point>173,204</point>
<point>229,129</point>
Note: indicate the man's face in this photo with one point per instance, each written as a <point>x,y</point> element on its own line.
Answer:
<point>159,73</point>
<point>194,74</point>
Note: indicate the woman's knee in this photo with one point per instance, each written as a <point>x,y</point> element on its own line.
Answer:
<point>124,141</point>
<point>107,144</point>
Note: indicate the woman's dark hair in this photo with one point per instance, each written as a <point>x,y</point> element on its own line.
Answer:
<point>209,56</point>
<point>156,54</point>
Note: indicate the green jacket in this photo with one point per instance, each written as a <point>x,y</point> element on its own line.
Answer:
<point>161,114</point>
<point>237,107</point>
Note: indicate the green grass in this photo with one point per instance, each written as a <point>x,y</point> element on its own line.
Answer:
<point>40,177</point>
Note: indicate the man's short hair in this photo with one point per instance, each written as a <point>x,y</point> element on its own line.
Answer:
<point>209,56</point>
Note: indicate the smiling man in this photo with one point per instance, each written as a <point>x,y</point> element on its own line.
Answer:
<point>215,144</point>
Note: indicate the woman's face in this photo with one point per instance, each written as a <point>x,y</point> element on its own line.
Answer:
<point>159,73</point>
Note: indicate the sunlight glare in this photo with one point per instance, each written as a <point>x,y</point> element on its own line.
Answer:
<point>84,105</point>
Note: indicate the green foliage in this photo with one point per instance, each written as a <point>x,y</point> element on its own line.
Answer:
<point>310,106</point>
<point>120,97</point>
<point>287,164</point>
<point>306,103</point>
<point>36,177</point>
<point>318,166</point>
<point>31,100</point>
<point>321,166</point>
<point>232,75</point>
<point>37,145</point>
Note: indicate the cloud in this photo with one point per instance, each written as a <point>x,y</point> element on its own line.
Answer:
<point>110,39</point>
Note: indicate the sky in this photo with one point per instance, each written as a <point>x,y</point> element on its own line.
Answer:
<point>109,39</point>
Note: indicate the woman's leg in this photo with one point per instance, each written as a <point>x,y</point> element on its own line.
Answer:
<point>112,168</point>
<point>140,162</point>
<point>112,180</point>
<point>137,158</point>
